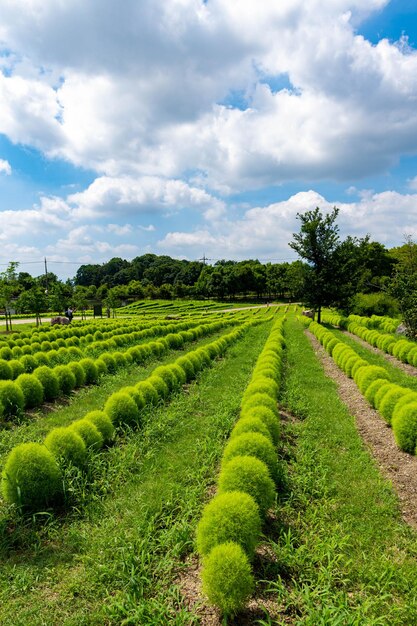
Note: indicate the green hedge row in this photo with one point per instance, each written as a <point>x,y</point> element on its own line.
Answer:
<point>402,349</point>
<point>33,475</point>
<point>231,522</point>
<point>46,384</point>
<point>396,404</point>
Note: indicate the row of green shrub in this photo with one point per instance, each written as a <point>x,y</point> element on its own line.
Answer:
<point>396,404</point>
<point>46,384</point>
<point>53,340</point>
<point>231,522</point>
<point>10,369</point>
<point>403,349</point>
<point>34,474</point>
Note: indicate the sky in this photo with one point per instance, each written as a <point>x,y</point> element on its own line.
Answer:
<point>202,128</point>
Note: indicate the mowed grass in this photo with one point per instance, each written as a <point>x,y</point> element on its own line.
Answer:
<point>115,559</point>
<point>344,556</point>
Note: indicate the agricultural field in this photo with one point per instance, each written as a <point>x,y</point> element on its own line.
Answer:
<point>187,465</point>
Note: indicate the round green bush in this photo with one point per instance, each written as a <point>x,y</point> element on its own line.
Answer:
<point>101,367</point>
<point>404,427</point>
<point>373,388</point>
<point>102,422</point>
<point>148,392</point>
<point>268,417</point>
<point>6,372</point>
<point>167,376</point>
<point>366,375</point>
<point>249,474</point>
<point>389,401</point>
<point>120,359</point>
<point>90,370</point>
<point>49,382</point>
<point>109,361</point>
<point>357,365</point>
<point>5,353</point>
<point>66,379</point>
<point>179,373</point>
<point>349,363</point>
<point>31,477</point>
<point>92,437</point>
<point>380,394</point>
<point>32,390</point>
<point>229,516</point>
<point>227,578</point>
<point>16,367</point>
<point>262,385</point>
<point>250,425</point>
<point>252,444</point>
<point>68,445</point>
<point>41,359</point>
<point>121,409</point>
<point>187,366</point>
<point>29,363</point>
<point>159,385</point>
<point>78,373</point>
<point>260,399</point>
<point>11,398</point>
<point>411,396</point>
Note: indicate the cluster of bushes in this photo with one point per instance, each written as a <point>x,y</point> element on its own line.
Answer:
<point>396,404</point>
<point>42,383</point>
<point>231,522</point>
<point>33,475</point>
<point>403,349</point>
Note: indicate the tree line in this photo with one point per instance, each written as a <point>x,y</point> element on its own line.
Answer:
<point>353,275</point>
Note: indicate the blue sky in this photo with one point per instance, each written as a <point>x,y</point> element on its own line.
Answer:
<point>190,128</point>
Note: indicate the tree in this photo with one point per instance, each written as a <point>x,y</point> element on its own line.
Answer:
<point>9,289</point>
<point>34,300</point>
<point>327,259</point>
<point>404,285</point>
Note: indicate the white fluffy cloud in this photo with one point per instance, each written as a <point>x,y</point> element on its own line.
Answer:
<point>5,167</point>
<point>135,88</point>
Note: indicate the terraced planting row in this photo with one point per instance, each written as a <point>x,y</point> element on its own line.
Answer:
<point>131,426</point>
<point>397,404</point>
<point>33,475</point>
<point>46,383</point>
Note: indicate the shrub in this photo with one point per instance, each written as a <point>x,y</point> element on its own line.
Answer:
<point>227,578</point>
<point>121,409</point>
<point>92,437</point>
<point>404,426</point>
<point>31,477</point>
<point>16,367</point>
<point>109,361</point>
<point>366,375</point>
<point>187,366</point>
<point>410,396</point>
<point>380,394</point>
<point>68,445</point>
<point>102,422</point>
<point>29,363</point>
<point>49,381</point>
<point>179,373</point>
<point>268,417</point>
<point>252,444</point>
<point>66,379</point>
<point>249,474</point>
<point>148,392</point>
<point>389,401</point>
<point>260,399</point>
<point>6,372</point>
<point>167,376</point>
<point>11,398</point>
<point>32,390</point>
<point>101,367</point>
<point>230,516</point>
<point>90,370</point>
<point>159,385</point>
<point>357,365</point>
<point>373,388</point>
<point>262,385</point>
<point>250,425</point>
<point>78,373</point>
<point>41,359</point>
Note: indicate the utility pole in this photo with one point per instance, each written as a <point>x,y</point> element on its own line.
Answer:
<point>46,278</point>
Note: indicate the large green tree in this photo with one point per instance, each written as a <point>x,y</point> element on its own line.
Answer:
<point>403,285</point>
<point>327,278</point>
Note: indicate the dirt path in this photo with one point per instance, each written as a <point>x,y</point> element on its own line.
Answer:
<point>399,467</point>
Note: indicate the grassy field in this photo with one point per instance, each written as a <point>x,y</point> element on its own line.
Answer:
<point>115,557</point>
<point>344,556</point>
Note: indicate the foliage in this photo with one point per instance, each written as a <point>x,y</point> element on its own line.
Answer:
<point>249,474</point>
<point>227,577</point>
<point>229,516</point>
<point>31,478</point>
<point>67,445</point>
<point>32,390</point>
<point>404,285</point>
<point>11,398</point>
<point>122,409</point>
